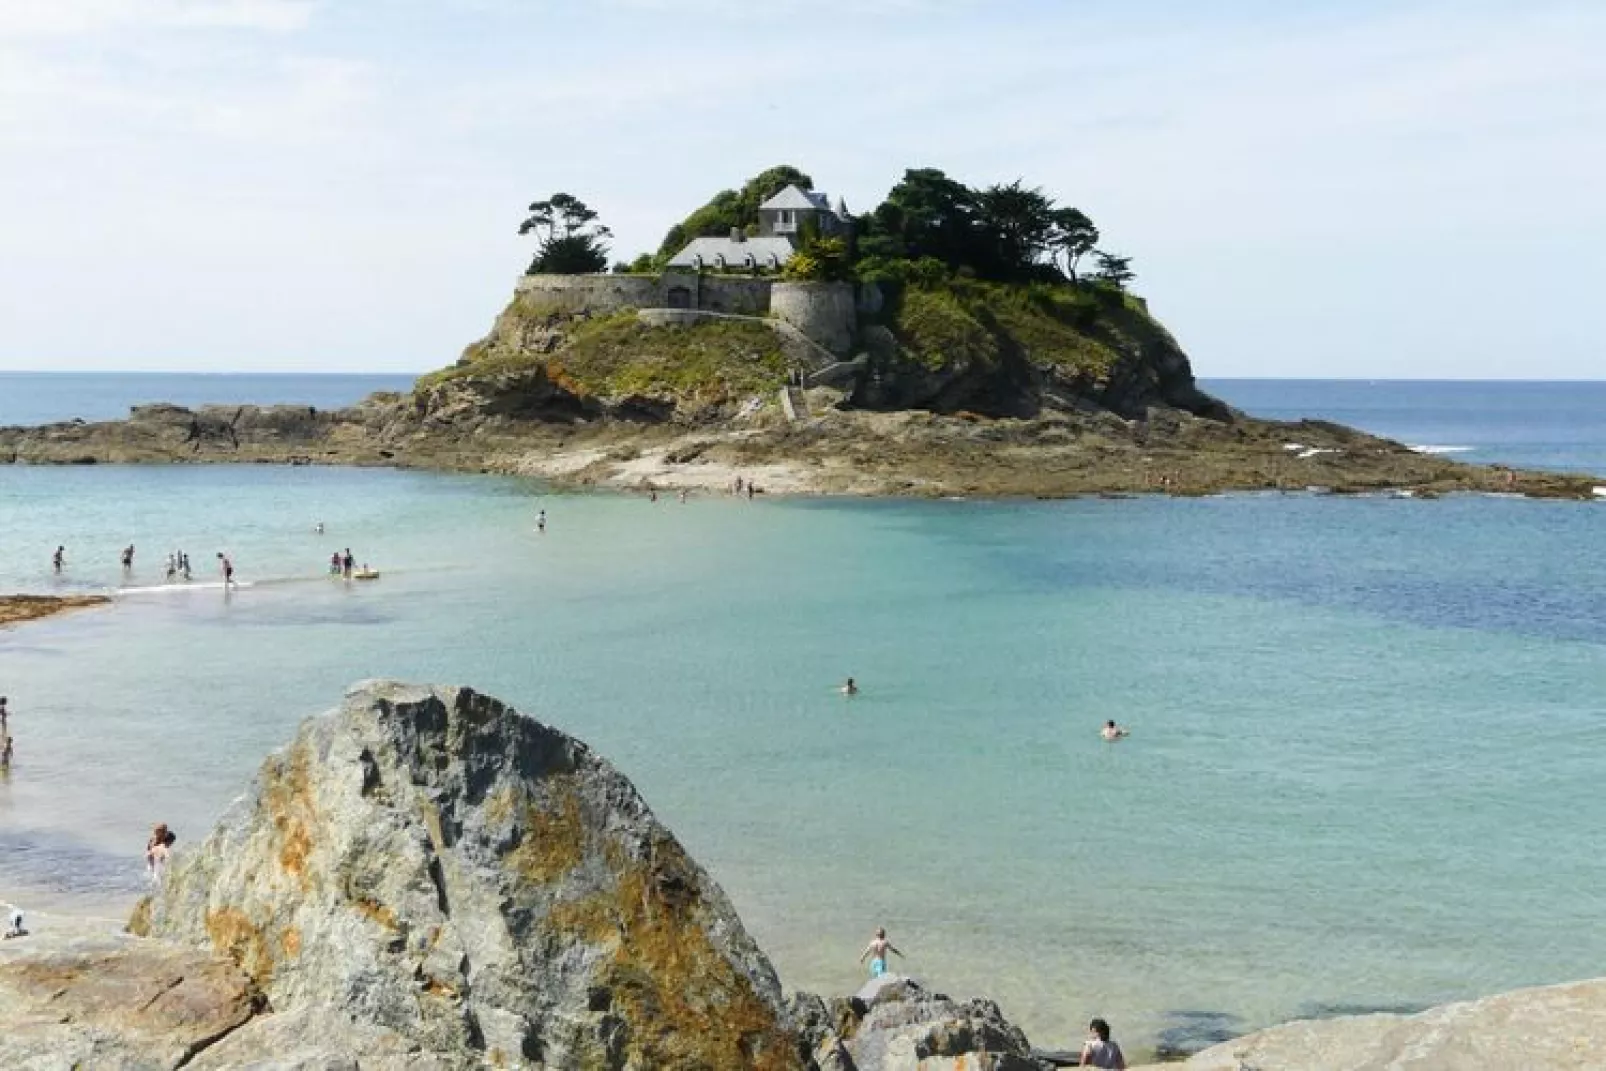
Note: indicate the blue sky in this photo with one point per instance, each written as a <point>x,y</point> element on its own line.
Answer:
<point>1409,189</point>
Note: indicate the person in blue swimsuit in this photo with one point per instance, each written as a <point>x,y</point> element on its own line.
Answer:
<point>876,952</point>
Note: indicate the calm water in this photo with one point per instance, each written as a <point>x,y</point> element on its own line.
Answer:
<point>1368,734</point>
<point>1538,425</point>
<point>46,397</point>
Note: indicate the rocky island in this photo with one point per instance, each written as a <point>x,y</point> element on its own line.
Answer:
<point>947,343</point>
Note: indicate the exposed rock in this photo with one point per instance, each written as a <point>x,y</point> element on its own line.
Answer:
<point>475,885</point>
<point>15,609</point>
<point>91,999</point>
<point>1560,1028</point>
<point>895,1024</point>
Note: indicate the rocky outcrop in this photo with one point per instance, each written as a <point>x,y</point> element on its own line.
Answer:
<point>1560,1028</point>
<point>471,884</point>
<point>15,609</point>
<point>96,1000</point>
<point>895,1024</point>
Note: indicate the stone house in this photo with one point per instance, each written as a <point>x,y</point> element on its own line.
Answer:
<point>782,222</point>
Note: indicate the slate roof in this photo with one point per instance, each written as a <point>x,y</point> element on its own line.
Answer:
<point>799,199</point>
<point>769,252</point>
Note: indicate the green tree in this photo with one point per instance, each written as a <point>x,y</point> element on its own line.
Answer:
<point>927,214</point>
<point>1016,227</point>
<point>733,209</point>
<point>1113,270</point>
<point>1074,238</point>
<point>569,238</point>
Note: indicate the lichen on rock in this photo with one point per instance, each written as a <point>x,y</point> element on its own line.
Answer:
<point>469,880</point>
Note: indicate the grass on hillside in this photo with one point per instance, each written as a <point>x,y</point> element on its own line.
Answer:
<point>617,355</point>
<point>979,323</point>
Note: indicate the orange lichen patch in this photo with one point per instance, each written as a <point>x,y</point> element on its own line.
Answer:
<point>291,942</point>
<point>499,807</point>
<point>436,988</point>
<point>376,911</point>
<point>237,937</point>
<point>685,1003</point>
<point>287,796</point>
<point>554,840</point>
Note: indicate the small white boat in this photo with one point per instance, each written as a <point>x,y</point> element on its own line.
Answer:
<point>365,574</point>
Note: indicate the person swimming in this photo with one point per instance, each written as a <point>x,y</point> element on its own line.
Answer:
<point>876,952</point>
<point>850,688</point>
<point>1112,731</point>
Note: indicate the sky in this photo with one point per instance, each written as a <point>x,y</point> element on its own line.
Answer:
<point>1357,189</point>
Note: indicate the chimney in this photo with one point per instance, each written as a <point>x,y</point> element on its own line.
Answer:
<point>738,235</point>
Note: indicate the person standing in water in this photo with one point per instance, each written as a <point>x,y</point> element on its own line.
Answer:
<point>59,558</point>
<point>851,688</point>
<point>128,558</point>
<point>1112,731</point>
<point>347,564</point>
<point>876,952</point>
<point>540,522</point>
<point>5,715</point>
<point>172,567</point>
<point>184,564</point>
<point>228,569</point>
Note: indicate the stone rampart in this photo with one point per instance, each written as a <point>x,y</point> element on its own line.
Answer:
<point>828,313</point>
<point>598,293</point>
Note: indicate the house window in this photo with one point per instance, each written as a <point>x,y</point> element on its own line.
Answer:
<point>786,221</point>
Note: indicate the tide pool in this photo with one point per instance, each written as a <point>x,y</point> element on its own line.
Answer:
<point>1367,734</point>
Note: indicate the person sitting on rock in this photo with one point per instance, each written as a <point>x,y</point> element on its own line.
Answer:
<point>1100,1051</point>
<point>876,951</point>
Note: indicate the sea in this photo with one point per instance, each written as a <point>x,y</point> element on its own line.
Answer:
<point>1367,740</point>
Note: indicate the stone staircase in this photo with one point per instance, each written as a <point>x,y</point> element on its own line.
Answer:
<point>794,404</point>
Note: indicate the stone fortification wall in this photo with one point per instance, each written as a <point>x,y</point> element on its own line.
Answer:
<point>739,295</point>
<point>828,313</point>
<point>599,293</point>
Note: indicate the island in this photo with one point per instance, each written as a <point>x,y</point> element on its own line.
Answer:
<point>952,341</point>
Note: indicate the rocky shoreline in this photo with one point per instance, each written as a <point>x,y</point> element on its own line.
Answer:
<point>15,609</point>
<point>830,451</point>
<point>426,880</point>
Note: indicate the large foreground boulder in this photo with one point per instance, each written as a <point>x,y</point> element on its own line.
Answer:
<point>474,885</point>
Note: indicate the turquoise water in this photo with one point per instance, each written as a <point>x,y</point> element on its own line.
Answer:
<point>1368,734</point>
